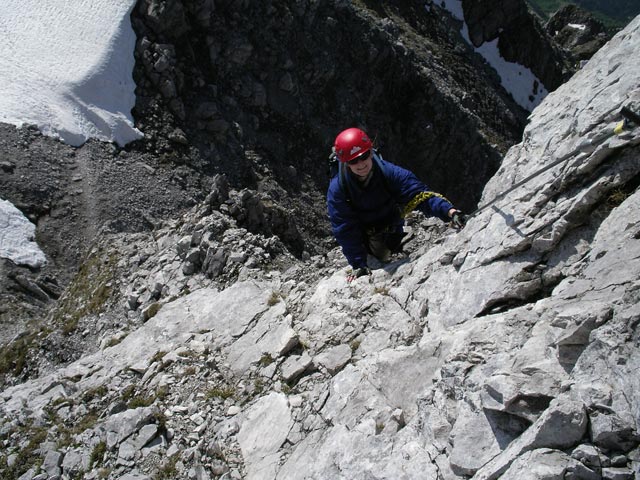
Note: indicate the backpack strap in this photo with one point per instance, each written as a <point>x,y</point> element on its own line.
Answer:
<point>343,181</point>
<point>383,170</point>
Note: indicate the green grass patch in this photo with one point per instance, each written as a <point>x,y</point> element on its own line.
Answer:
<point>97,454</point>
<point>128,393</point>
<point>220,392</point>
<point>617,197</point>
<point>151,311</point>
<point>266,360</point>
<point>258,386</point>
<point>87,422</point>
<point>274,299</point>
<point>141,401</point>
<point>88,292</point>
<point>94,393</point>
<point>168,470</point>
<point>28,456</point>
<point>13,356</point>
<point>381,291</point>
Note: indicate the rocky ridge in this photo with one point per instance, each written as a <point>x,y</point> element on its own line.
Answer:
<point>219,92</point>
<point>519,38</point>
<point>508,350</point>
<point>577,31</point>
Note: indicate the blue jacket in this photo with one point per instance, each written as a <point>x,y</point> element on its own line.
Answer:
<point>354,208</point>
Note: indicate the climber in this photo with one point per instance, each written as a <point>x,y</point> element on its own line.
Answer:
<point>364,197</point>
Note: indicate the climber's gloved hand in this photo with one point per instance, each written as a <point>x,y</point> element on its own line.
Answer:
<point>360,272</point>
<point>458,220</point>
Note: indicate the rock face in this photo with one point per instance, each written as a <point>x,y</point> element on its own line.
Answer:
<point>218,72</point>
<point>220,91</point>
<point>577,31</point>
<point>519,38</point>
<point>507,350</point>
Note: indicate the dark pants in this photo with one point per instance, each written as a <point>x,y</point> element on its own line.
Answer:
<point>381,244</point>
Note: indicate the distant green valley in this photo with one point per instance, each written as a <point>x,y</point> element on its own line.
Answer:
<point>615,14</point>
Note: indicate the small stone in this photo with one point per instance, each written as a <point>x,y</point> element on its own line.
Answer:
<point>127,451</point>
<point>29,475</point>
<point>233,410</point>
<point>183,245</point>
<point>52,462</point>
<point>172,450</point>
<point>146,434</point>
<point>295,366</point>
<point>7,166</point>
<point>219,468</point>
<point>619,461</point>
<point>613,473</point>
<point>334,358</point>
<point>197,419</point>
<point>295,401</point>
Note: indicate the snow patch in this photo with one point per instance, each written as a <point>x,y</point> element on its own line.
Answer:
<point>17,235</point>
<point>577,26</point>
<point>66,66</point>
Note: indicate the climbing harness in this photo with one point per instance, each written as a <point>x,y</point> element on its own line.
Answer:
<point>586,146</point>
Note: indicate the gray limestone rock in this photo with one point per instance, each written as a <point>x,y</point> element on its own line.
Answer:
<point>52,463</point>
<point>589,455</point>
<point>134,475</point>
<point>334,358</point>
<point>263,430</point>
<point>74,462</point>
<point>546,463</point>
<point>294,366</point>
<point>121,426</point>
<point>618,474</point>
<point>609,431</point>
<point>474,440</point>
<point>28,475</point>
<point>561,426</point>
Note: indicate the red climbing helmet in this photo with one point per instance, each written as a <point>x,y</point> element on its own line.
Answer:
<point>350,143</point>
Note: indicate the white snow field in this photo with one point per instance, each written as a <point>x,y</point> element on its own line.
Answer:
<point>66,66</point>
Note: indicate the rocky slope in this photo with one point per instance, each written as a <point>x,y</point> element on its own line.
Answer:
<point>508,350</point>
<point>219,91</point>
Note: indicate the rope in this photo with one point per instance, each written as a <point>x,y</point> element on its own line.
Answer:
<point>417,200</point>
